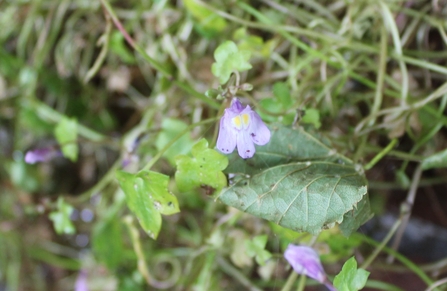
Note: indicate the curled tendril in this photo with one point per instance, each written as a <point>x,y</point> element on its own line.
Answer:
<point>161,265</point>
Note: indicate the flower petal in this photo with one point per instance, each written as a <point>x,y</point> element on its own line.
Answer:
<point>305,260</point>
<point>226,141</point>
<point>81,281</point>
<point>41,155</point>
<point>245,146</point>
<point>236,106</point>
<point>258,130</point>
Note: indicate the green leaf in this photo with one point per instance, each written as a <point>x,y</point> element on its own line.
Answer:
<point>228,59</point>
<point>24,176</point>
<point>253,43</point>
<point>271,105</point>
<point>147,197</point>
<point>437,160</point>
<point>280,104</point>
<point>286,145</point>
<point>256,248</point>
<point>299,183</point>
<point>66,133</point>
<point>350,278</point>
<point>312,116</point>
<point>61,218</point>
<point>205,168</point>
<point>353,219</point>
<point>282,93</point>
<point>208,22</point>
<point>171,128</point>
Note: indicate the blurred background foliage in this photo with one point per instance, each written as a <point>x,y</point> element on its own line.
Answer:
<point>367,74</point>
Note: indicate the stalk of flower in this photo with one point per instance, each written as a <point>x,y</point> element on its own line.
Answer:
<point>304,260</point>
<point>241,127</point>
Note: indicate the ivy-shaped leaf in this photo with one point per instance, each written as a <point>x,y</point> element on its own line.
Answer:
<point>299,183</point>
<point>66,133</point>
<point>228,59</point>
<point>256,248</point>
<point>350,278</point>
<point>61,218</point>
<point>204,168</point>
<point>148,197</point>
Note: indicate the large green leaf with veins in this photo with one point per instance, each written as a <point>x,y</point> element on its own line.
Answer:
<point>300,183</point>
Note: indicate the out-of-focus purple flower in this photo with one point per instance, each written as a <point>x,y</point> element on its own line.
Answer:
<point>241,127</point>
<point>41,155</point>
<point>305,260</point>
<point>81,281</point>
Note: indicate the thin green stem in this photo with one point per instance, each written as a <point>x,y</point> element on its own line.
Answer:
<point>391,23</point>
<point>436,284</point>
<point>104,40</point>
<point>382,244</point>
<point>290,281</point>
<point>49,114</point>
<point>236,274</point>
<point>135,238</point>
<point>167,146</point>
<point>381,73</point>
<point>99,186</point>
<point>406,208</point>
<point>301,283</point>
<point>381,154</point>
<point>409,264</point>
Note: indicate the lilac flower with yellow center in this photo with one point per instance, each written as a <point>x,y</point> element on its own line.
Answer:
<point>241,127</point>
<point>305,260</point>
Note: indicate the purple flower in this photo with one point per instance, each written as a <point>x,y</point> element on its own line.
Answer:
<point>242,127</point>
<point>305,260</point>
<point>81,281</point>
<point>41,155</point>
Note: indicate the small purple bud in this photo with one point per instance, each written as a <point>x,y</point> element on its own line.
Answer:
<point>41,155</point>
<point>241,127</point>
<point>81,281</point>
<point>304,260</point>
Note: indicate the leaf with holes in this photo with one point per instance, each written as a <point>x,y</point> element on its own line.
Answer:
<point>204,168</point>
<point>148,197</point>
<point>299,183</point>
